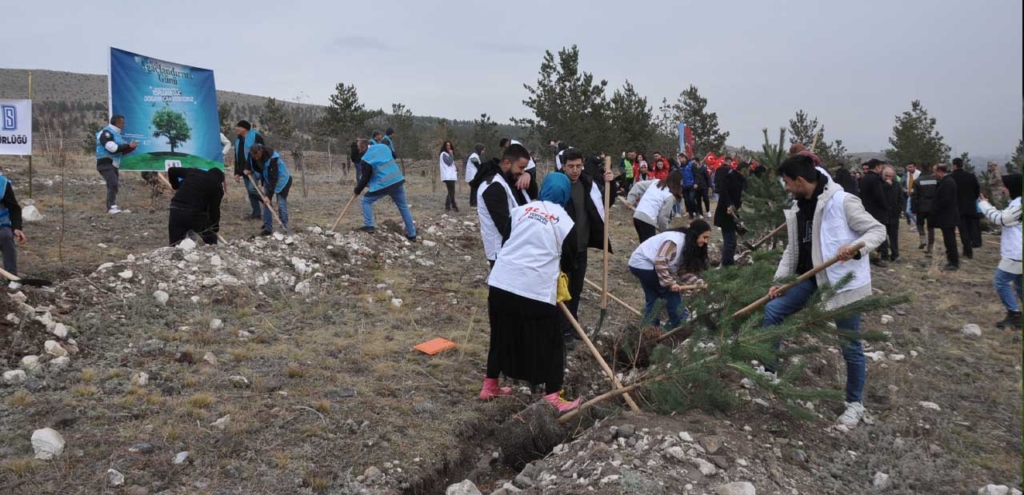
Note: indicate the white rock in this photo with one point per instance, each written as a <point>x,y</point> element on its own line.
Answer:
<point>161,297</point>
<point>300,266</point>
<point>886,319</point>
<point>102,246</point>
<point>187,244</point>
<point>104,267</point>
<point>210,358</point>
<point>60,362</point>
<point>994,490</point>
<point>222,423</point>
<point>736,488</point>
<point>684,436</point>
<point>130,258</point>
<point>971,330</point>
<point>429,243</point>
<point>881,481</point>
<point>114,478</point>
<point>897,357</point>
<point>278,236</point>
<point>913,354</point>
<point>465,487</point>
<point>13,318</point>
<point>875,356</point>
<point>303,288</point>
<point>929,405</point>
<point>216,261</point>
<point>396,302</point>
<point>54,349</point>
<point>29,363</point>
<point>31,214</point>
<point>181,457</point>
<point>18,297</point>
<point>140,379</point>
<point>60,331</point>
<point>47,443</point>
<point>432,230</point>
<point>14,377</point>
<point>127,274</point>
<point>705,467</point>
<point>747,383</point>
<point>676,452</point>
<point>216,324</point>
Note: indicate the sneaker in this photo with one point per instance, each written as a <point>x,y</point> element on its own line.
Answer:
<point>560,403</point>
<point>853,414</point>
<point>950,268</point>
<point>1012,320</point>
<point>921,246</point>
<point>17,285</point>
<point>880,263</point>
<point>896,259</point>
<point>265,233</point>
<point>368,230</point>
<point>491,389</point>
<point>114,210</point>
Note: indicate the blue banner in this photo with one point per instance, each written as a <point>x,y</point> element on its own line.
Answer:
<point>169,109</point>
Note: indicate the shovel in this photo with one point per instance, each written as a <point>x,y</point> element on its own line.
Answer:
<point>607,224</point>
<point>32,282</point>
<point>597,355</point>
<point>754,246</point>
<point>270,207</point>
<point>343,210</point>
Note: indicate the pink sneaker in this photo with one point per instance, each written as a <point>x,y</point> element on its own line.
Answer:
<point>561,404</point>
<point>492,390</point>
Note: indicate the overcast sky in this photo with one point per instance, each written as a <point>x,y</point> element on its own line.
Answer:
<point>853,64</point>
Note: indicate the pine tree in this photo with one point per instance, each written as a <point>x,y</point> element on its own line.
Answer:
<point>402,122</point>
<point>485,131</point>
<point>276,124</point>
<point>691,109</point>
<point>765,199</point>
<point>1016,163</point>
<point>697,373</point>
<point>915,140</point>
<point>968,166</point>
<point>632,119</point>
<point>802,129</point>
<point>345,117</point>
<point>567,104</point>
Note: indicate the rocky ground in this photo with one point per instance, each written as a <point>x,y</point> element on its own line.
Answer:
<point>284,365</point>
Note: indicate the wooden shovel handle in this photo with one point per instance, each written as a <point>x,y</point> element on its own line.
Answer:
<point>343,210</point>
<point>597,355</point>
<point>613,298</point>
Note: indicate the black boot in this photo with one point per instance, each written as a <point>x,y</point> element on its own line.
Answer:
<point>1012,321</point>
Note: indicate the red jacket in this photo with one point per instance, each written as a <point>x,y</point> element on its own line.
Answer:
<point>659,173</point>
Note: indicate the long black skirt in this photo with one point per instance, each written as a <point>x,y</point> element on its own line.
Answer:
<point>526,340</point>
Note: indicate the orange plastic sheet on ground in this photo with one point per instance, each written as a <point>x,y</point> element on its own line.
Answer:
<point>432,347</point>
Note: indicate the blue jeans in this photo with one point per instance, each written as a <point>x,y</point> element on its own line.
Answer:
<point>911,217</point>
<point>728,245</point>
<point>282,211</point>
<point>1003,281</point>
<point>254,197</point>
<point>398,195</point>
<point>794,300</point>
<point>653,291</point>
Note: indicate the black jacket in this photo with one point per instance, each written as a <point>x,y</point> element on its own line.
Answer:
<point>923,196</point>
<point>596,237</point>
<point>894,201</point>
<point>241,161</point>
<point>845,180</point>
<point>702,177</point>
<point>13,208</point>
<point>872,195</point>
<point>198,191</point>
<point>967,192</point>
<point>944,210</point>
<point>730,193</point>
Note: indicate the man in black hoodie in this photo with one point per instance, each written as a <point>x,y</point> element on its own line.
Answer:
<point>586,208</point>
<point>730,199</point>
<point>195,206</point>
<point>967,192</point>
<point>945,215</point>
<point>872,195</point>
<point>890,250</point>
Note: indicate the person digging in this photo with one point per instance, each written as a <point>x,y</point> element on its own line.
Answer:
<point>824,222</point>
<point>269,167</point>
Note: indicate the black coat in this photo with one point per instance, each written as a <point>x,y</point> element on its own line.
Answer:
<point>729,194</point>
<point>945,213</point>
<point>872,195</point>
<point>596,237</point>
<point>967,192</point>
<point>923,196</point>
<point>701,177</point>
<point>895,199</point>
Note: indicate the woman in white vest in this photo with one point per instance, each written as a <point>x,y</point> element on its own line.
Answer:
<point>667,262</point>
<point>473,164</point>
<point>449,174</point>
<point>654,211</point>
<point>1009,271</point>
<point>526,339</point>
<point>827,222</point>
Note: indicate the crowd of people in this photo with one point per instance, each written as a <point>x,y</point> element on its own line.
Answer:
<point>535,234</point>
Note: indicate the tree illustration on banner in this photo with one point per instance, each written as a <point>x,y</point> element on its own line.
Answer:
<point>171,125</point>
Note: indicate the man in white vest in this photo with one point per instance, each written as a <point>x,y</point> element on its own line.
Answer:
<point>826,221</point>
<point>496,197</point>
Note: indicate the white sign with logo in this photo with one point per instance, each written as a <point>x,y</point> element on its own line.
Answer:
<point>15,127</point>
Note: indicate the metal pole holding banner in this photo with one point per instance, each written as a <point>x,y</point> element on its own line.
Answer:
<point>30,133</point>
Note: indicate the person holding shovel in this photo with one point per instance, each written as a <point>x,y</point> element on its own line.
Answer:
<point>827,222</point>
<point>10,228</point>
<point>245,138</point>
<point>654,210</point>
<point>667,262</point>
<point>195,206</point>
<point>379,173</point>
<point>273,172</point>
<point>526,342</point>
<point>587,211</point>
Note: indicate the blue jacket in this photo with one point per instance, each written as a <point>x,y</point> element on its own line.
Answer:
<point>5,214</point>
<point>110,133</point>
<point>274,176</point>
<point>385,170</point>
<point>688,175</point>
<point>386,140</point>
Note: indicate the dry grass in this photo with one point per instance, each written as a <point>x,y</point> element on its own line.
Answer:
<point>85,390</point>
<point>89,375</point>
<point>21,467</point>
<point>21,398</point>
<point>295,370</point>
<point>200,400</point>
